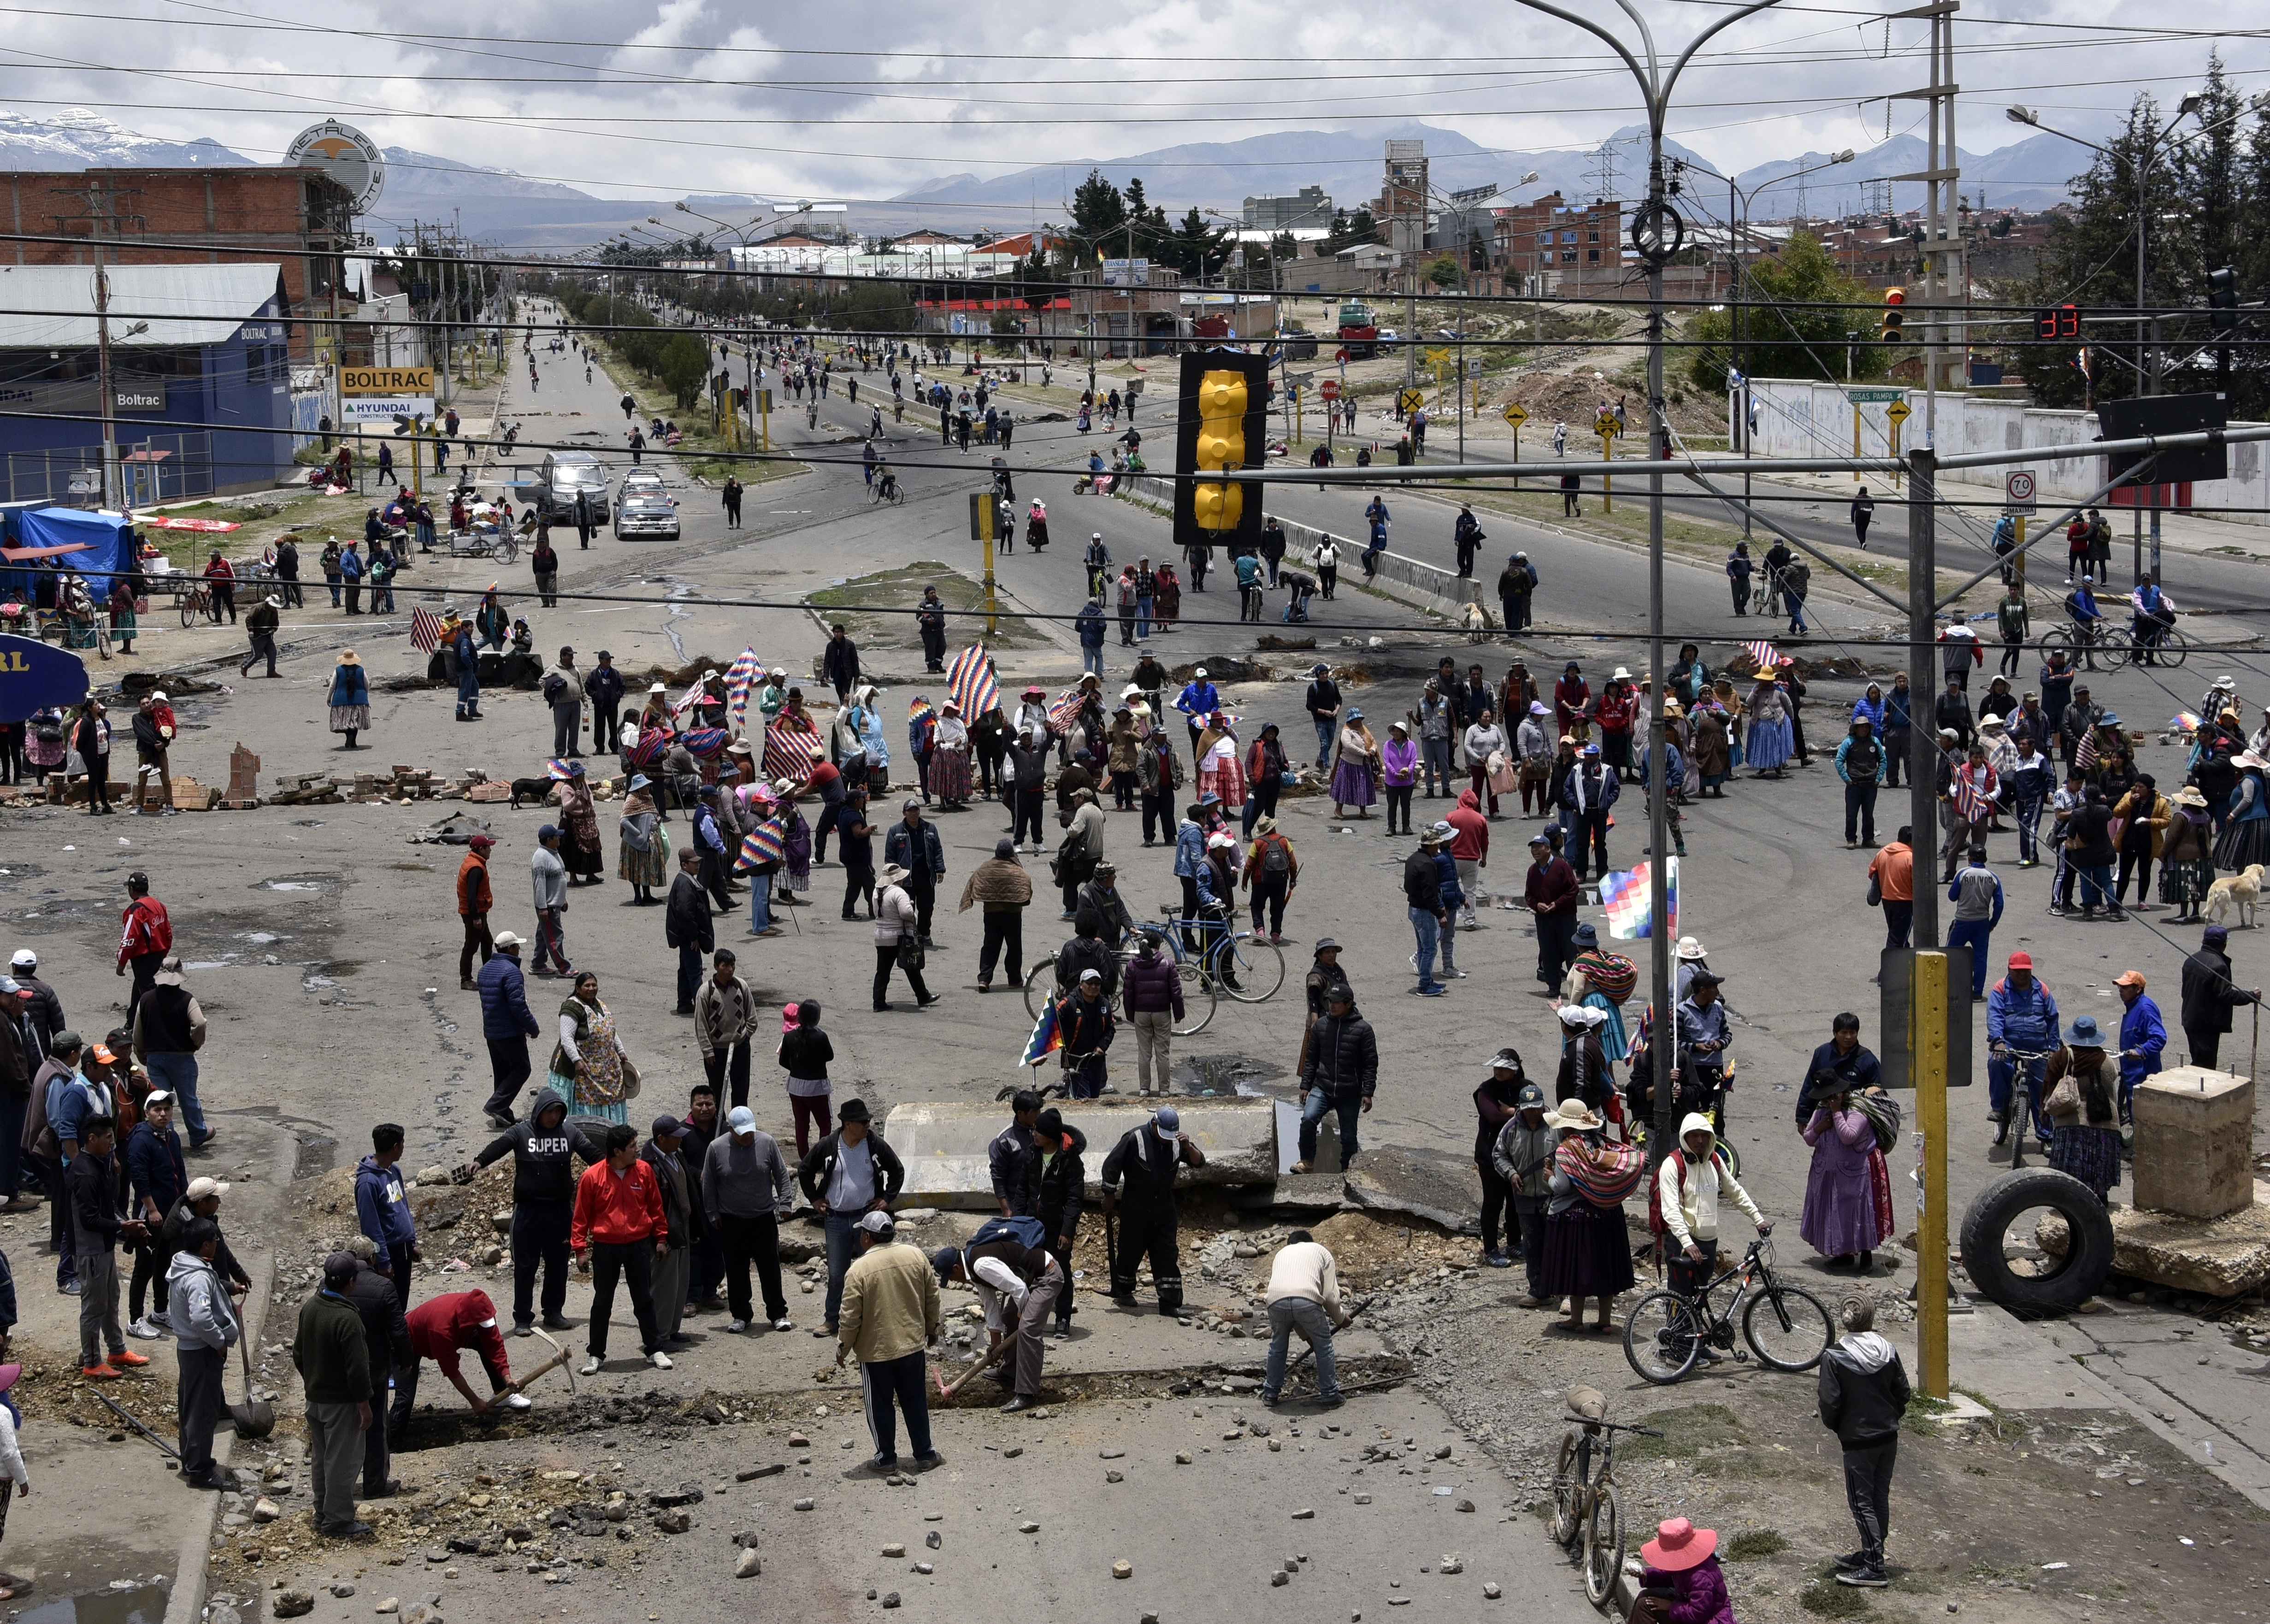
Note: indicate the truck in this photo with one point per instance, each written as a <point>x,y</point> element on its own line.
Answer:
<point>1359,329</point>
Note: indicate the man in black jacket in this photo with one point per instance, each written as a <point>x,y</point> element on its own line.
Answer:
<point>387,1331</point>
<point>96,1184</point>
<point>1062,1176</point>
<point>840,663</point>
<point>1864,1393</point>
<point>2209,996</point>
<point>848,1174</point>
<point>543,1150</point>
<point>1015,1160</point>
<point>1144,1163</point>
<point>686,926</point>
<point>1422,891</point>
<point>680,1180</point>
<point>1341,1071</point>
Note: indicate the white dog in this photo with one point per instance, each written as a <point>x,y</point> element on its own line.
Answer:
<point>2241,891</point>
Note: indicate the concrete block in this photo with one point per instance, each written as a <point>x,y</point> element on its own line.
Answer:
<point>2227,1256</point>
<point>942,1142</point>
<point>2194,1142</point>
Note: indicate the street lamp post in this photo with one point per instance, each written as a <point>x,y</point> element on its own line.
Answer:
<point>1655,234</point>
<point>2147,356</point>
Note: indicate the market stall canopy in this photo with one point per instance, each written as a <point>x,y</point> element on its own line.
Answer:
<point>98,543</point>
<point>34,675</point>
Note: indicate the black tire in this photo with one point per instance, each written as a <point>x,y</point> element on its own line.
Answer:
<point>1660,1339</point>
<point>1604,1546</point>
<point>1791,1333</point>
<point>1040,985</point>
<point>2071,1281</point>
<point>1568,1494</point>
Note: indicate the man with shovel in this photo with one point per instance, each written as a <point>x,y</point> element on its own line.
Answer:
<point>206,1327</point>
<point>439,1329</point>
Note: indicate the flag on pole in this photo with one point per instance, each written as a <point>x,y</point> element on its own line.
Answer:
<point>1066,711</point>
<point>2184,721</point>
<point>971,681</point>
<point>740,677</point>
<point>790,748</point>
<point>1046,1038</point>
<point>1763,655</point>
<point>425,630</point>
<point>692,695</point>
<point>1625,894</point>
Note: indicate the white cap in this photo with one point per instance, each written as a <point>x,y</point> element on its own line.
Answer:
<point>25,959</point>
<point>157,696</point>
<point>507,938</point>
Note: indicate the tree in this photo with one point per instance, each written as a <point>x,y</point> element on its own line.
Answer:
<point>1098,208</point>
<point>1362,228</point>
<point>1192,244</point>
<point>683,365</point>
<point>1791,324</point>
<point>1445,272</point>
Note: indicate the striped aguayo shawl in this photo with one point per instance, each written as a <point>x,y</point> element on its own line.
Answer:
<point>1604,1173</point>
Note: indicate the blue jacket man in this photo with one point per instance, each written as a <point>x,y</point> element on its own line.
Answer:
<point>1089,624</point>
<point>382,1205</point>
<point>1198,699</point>
<point>2143,1037</point>
<point>507,1024</point>
<point>2021,1012</point>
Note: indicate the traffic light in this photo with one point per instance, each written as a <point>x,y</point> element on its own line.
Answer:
<point>2223,299</point>
<point>2058,321</point>
<point>1222,422</point>
<point>1893,315</point>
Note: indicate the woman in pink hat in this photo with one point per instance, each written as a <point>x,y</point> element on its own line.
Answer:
<point>1682,1582</point>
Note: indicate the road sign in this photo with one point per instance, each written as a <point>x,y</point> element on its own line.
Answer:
<point>1473,366</point>
<point>1606,427</point>
<point>1341,356</point>
<point>1898,412</point>
<point>1414,400</point>
<point>2017,490</point>
<point>1516,414</point>
<point>1438,357</point>
<point>1874,397</point>
<point>1330,389</point>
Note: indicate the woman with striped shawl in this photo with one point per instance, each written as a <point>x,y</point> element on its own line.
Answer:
<point>1587,1252</point>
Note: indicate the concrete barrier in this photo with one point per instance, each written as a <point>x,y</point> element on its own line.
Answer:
<point>943,1143</point>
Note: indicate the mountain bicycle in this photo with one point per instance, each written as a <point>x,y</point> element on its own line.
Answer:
<point>1199,1002</point>
<point>1586,1510</point>
<point>2026,1097</point>
<point>1786,1326</point>
<point>1249,968</point>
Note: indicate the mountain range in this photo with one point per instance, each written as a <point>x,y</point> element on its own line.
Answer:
<point>498,205</point>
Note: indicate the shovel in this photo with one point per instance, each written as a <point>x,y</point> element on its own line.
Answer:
<point>255,1418</point>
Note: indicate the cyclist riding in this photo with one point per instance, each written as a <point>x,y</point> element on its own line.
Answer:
<point>2088,618</point>
<point>2021,1028</point>
<point>886,483</point>
<point>2154,613</point>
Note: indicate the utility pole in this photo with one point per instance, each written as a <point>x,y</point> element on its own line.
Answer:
<point>102,209</point>
<point>1943,248</point>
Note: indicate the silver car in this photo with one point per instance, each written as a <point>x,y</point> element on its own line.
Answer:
<point>643,508</point>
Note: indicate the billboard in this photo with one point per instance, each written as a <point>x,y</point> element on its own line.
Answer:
<point>345,154</point>
<point>386,381</point>
<point>380,410</point>
<point>1126,273</point>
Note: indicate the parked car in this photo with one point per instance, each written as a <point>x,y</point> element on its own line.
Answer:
<point>643,507</point>
<point>563,476</point>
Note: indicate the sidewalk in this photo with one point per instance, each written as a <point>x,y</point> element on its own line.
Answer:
<point>85,1464</point>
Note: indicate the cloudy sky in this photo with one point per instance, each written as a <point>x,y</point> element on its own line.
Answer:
<point>860,99</point>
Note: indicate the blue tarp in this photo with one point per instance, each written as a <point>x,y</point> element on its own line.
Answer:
<point>109,539</point>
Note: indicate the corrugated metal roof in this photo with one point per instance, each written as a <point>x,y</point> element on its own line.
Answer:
<point>184,304</point>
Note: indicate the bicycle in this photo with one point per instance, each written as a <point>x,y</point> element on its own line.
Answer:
<point>196,604</point>
<point>1666,1330</point>
<point>2086,644</point>
<point>1239,961</point>
<point>1586,1503</point>
<point>1199,997</point>
<point>1643,1125</point>
<point>886,489</point>
<point>2166,647</point>
<point>2025,1092</point>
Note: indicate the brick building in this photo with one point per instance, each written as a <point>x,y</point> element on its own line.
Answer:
<point>1544,239</point>
<point>301,219</point>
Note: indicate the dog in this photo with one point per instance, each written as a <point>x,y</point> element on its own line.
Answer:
<point>1478,623</point>
<point>536,790</point>
<point>2240,891</point>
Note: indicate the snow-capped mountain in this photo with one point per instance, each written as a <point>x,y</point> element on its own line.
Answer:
<point>80,138</point>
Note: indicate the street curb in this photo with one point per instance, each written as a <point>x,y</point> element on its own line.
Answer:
<point>185,1603</point>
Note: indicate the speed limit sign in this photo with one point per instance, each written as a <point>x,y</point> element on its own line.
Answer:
<point>2018,489</point>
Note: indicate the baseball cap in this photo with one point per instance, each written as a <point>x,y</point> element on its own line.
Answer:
<point>509,938</point>
<point>667,1127</point>
<point>1530,1098</point>
<point>25,960</point>
<point>1168,1122</point>
<point>877,1223</point>
<point>2022,961</point>
<point>157,1096</point>
<point>944,1261</point>
<point>2130,978</point>
<point>10,985</point>
<point>339,1266</point>
<point>201,1188</point>
<point>550,831</point>
<point>740,1120</point>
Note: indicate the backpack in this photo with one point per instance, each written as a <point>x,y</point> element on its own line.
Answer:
<point>1655,1225</point>
<point>1276,857</point>
<point>1029,1233</point>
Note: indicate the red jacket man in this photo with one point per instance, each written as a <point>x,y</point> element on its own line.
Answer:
<point>1552,892</point>
<point>619,1231</point>
<point>439,1329</point>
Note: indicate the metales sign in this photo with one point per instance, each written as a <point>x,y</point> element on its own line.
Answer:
<point>345,154</point>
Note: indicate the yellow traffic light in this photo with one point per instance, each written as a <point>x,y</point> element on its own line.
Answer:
<point>1222,398</point>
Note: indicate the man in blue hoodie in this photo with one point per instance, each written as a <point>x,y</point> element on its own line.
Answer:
<point>382,1207</point>
<point>507,1024</point>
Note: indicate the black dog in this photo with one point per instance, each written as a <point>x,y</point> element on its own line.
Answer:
<point>536,790</point>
